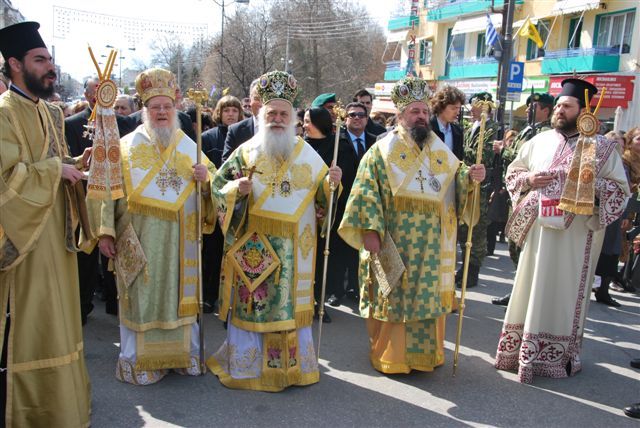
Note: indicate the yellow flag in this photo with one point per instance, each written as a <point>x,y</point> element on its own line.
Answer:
<point>530,31</point>
<point>225,92</point>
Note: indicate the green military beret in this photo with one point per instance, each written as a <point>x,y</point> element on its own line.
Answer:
<point>322,99</point>
<point>484,96</point>
<point>543,98</point>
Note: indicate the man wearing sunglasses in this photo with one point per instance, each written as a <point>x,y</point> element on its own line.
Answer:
<point>354,142</point>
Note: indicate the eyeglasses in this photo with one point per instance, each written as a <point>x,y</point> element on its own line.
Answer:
<point>166,107</point>
<point>358,114</point>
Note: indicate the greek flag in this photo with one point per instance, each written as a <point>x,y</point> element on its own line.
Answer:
<point>492,35</point>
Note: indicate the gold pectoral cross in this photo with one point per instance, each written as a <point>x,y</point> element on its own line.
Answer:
<point>421,180</point>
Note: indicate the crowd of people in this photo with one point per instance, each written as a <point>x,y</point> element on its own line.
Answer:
<point>405,197</point>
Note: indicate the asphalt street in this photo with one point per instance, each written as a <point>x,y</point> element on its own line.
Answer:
<point>352,393</point>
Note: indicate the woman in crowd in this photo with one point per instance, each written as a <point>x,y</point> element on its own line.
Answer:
<point>318,133</point>
<point>227,112</point>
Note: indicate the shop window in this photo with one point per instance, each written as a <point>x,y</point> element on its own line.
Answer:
<point>615,30</point>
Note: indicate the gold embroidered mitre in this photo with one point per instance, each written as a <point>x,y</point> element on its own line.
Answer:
<point>156,81</point>
<point>277,85</point>
<point>409,89</point>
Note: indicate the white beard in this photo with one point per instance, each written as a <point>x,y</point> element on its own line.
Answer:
<point>277,144</point>
<point>159,135</point>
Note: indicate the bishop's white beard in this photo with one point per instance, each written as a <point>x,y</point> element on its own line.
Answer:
<point>277,144</point>
<point>160,135</point>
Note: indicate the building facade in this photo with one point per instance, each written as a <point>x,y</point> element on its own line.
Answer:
<point>595,40</point>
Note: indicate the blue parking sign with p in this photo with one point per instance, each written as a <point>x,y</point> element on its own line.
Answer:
<point>516,76</point>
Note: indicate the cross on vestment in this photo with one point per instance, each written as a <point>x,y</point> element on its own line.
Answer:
<point>421,180</point>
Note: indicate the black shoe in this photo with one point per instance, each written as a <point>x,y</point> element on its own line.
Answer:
<point>607,300</point>
<point>501,301</point>
<point>635,363</point>
<point>353,295</point>
<point>326,318</point>
<point>333,301</point>
<point>111,308</point>
<point>208,307</point>
<point>633,411</point>
<point>472,276</point>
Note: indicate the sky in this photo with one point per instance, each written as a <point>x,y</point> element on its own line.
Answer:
<point>71,49</point>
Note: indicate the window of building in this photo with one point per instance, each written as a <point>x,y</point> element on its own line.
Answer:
<point>573,40</point>
<point>615,30</point>
<point>533,51</point>
<point>455,49</point>
<point>481,47</point>
<point>426,48</point>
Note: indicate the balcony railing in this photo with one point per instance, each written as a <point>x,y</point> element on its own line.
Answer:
<point>473,67</point>
<point>394,71</point>
<point>597,58</point>
<point>573,52</point>
<point>474,60</point>
<point>402,22</point>
<point>448,10</point>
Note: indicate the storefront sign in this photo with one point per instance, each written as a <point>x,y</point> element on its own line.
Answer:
<point>619,88</point>
<point>382,89</point>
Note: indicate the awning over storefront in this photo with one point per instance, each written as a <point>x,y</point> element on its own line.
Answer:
<point>397,36</point>
<point>476,24</point>
<point>565,7</point>
<point>619,91</point>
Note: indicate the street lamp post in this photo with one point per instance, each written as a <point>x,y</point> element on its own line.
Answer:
<point>222,5</point>
<point>120,58</point>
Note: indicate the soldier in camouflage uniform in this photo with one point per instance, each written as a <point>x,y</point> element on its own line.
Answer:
<point>542,122</point>
<point>479,237</point>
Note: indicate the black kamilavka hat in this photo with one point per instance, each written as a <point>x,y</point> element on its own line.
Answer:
<point>17,39</point>
<point>575,88</point>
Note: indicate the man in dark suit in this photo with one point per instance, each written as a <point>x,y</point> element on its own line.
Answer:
<point>445,106</point>
<point>353,143</point>
<point>243,131</point>
<point>364,97</point>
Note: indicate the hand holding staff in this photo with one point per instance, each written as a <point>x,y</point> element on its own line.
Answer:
<point>199,96</point>
<point>467,252</point>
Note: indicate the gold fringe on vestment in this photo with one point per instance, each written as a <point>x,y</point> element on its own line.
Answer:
<point>163,214</point>
<point>165,362</point>
<point>404,203</point>
<point>273,226</point>
<point>304,318</point>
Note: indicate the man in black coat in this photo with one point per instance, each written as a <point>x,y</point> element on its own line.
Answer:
<point>445,105</point>
<point>353,143</point>
<point>243,131</point>
<point>364,97</point>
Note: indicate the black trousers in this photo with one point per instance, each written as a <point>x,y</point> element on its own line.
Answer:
<point>493,229</point>
<point>343,262</point>
<point>109,289</point>
<point>88,276</point>
<point>212,251</point>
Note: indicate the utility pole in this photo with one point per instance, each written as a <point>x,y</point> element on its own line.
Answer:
<point>221,51</point>
<point>505,61</point>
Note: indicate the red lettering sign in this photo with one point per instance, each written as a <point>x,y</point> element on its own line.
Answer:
<point>618,93</point>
